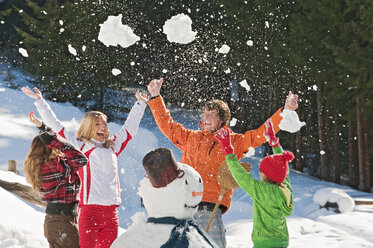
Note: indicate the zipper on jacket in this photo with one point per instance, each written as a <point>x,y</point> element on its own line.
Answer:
<point>213,144</point>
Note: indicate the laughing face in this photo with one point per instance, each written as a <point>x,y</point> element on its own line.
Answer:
<point>100,132</point>
<point>178,199</point>
<point>211,120</point>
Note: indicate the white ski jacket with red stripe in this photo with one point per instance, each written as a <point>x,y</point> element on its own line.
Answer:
<point>100,182</point>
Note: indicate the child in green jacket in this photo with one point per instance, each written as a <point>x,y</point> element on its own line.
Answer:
<point>272,196</point>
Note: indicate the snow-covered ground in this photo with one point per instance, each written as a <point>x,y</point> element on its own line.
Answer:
<point>21,223</point>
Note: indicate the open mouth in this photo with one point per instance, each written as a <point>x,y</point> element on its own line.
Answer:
<point>207,125</point>
<point>101,135</point>
<point>187,206</point>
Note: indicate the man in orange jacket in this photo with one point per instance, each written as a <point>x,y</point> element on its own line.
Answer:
<point>201,150</point>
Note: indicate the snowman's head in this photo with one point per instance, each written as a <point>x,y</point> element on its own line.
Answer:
<point>179,198</point>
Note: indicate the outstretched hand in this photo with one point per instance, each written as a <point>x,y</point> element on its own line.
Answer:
<point>36,95</point>
<point>154,87</point>
<point>34,120</point>
<point>270,134</point>
<point>224,138</point>
<point>142,96</point>
<point>291,102</point>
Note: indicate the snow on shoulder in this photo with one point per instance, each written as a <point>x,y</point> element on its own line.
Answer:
<point>113,33</point>
<point>333,195</point>
<point>179,29</point>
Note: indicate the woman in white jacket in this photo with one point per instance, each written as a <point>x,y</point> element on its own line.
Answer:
<point>100,192</point>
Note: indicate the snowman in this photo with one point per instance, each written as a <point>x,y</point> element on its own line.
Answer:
<point>171,192</point>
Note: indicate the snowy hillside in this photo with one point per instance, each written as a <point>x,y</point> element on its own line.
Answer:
<point>21,223</point>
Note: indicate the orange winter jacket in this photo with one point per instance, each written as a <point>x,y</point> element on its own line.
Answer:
<point>203,152</point>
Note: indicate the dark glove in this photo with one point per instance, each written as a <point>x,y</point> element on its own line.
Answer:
<point>46,134</point>
<point>224,137</point>
<point>44,128</point>
<point>270,135</point>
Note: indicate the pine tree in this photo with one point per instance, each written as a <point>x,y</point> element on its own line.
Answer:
<point>329,37</point>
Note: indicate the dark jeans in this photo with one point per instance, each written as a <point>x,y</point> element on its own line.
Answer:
<point>61,231</point>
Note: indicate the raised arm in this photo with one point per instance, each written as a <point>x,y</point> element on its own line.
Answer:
<point>174,131</point>
<point>255,138</point>
<point>131,125</point>
<point>44,110</point>
<point>243,178</point>
<point>75,158</point>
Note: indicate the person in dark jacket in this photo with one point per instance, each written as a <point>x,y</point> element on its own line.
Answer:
<point>51,167</point>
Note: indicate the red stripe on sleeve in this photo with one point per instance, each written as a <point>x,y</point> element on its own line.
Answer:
<point>124,144</point>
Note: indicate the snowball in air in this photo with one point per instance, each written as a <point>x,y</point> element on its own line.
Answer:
<point>23,52</point>
<point>113,33</point>
<point>179,29</point>
<point>72,50</point>
<point>245,85</point>
<point>116,72</point>
<point>250,43</point>
<point>233,122</point>
<point>251,152</point>
<point>290,121</point>
<point>224,49</point>
<point>313,87</point>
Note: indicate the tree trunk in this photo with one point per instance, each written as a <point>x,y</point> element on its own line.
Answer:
<point>6,53</point>
<point>320,120</point>
<point>362,138</point>
<point>336,165</point>
<point>328,141</point>
<point>353,160</point>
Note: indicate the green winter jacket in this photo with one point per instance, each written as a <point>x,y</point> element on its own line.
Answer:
<point>272,204</point>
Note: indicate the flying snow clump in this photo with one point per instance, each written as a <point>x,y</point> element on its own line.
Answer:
<point>179,29</point>
<point>116,72</point>
<point>72,50</point>
<point>251,152</point>
<point>113,33</point>
<point>233,122</point>
<point>23,52</point>
<point>245,85</point>
<point>224,49</point>
<point>290,121</point>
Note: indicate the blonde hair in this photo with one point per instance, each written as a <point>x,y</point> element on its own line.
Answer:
<point>88,125</point>
<point>38,154</point>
